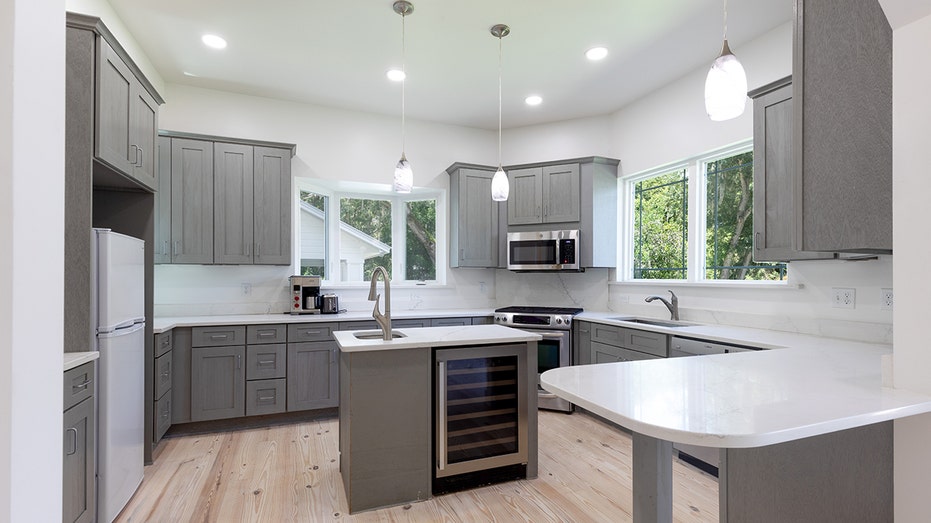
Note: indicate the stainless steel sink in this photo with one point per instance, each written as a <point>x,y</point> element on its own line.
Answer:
<point>651,321</point>
<point>377,335</point>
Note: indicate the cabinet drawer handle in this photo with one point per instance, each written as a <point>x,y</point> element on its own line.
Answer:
<point>165,415</point>
<point>266,398</point>
<point>79,386</point>
<point>219,336</point>
<point>312,333</point>
<point>266,362</point>
<point>267,334</point>
<point>73,432</point>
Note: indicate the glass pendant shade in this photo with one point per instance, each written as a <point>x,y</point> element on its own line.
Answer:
<point>403,176</point>
<point>725,87</point>
<point>500,186</point>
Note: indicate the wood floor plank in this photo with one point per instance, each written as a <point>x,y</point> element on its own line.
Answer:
<point>291,473</point>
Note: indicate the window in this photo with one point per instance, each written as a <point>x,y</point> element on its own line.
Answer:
<point>698,231</point>
<point>345,234</point>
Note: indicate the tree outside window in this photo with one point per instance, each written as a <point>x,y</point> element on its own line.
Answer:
<point>661,227</point>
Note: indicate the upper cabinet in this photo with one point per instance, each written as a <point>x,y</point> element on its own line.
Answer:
<point>123,103</point>
<point>842,96</point>
<point>475,232</point>
<point>230,201</point>
<point>547,194</point>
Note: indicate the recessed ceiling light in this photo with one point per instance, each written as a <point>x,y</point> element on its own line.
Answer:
<point>596,53</point>
<point>213,41</point>
<point>396,75</point>
<point>533,100</point>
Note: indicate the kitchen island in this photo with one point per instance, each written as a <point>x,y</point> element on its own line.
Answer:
<point>400,408</point>
<point>807,432</point>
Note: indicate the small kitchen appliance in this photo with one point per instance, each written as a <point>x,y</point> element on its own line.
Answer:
<point>328,303</point>
<point>305,291</point>
<point>554,350</point>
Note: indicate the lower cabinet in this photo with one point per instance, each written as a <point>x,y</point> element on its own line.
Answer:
<point>313,375</point>
<point>218,379</point>
<point>265,396</point>
<point>79,459</point>
<point>602,343</point>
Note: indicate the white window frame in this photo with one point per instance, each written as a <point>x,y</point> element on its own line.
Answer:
<point>398,229</point>
<point>695,169</point>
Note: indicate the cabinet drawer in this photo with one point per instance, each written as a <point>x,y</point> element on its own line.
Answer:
<point>266,361</point>
<point>650,342</point>
<point>602,353</point>
<point>407,323</point>
<point>162,374</point>
<point>310,332</point>
<point>450,322</point>
<point>266,333</point>
<point>162,416</point>
<point>163,342</point>
<point>265,396</point>
<point>218,336</point>
<point>79,384</point>
<point>609,334</point>
<point>359,326</point>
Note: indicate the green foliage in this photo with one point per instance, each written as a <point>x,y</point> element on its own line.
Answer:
<point>661,227</point>
<point>421,240</point>
<point>373,217</point>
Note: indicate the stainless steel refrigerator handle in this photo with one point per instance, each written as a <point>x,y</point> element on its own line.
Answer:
<point>441,415</point>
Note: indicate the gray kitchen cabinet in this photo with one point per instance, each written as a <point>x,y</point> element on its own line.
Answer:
<point>162,243</point>
<point>272,206</point>
<point>450,322</point>
<point>127,119</point>
<point>162,375</point>
<point>475,238</point>
<point>266,361</point>
<point>162,420</point>
<point>181,375</point>
<point>233,210</point>
<point>602,343</point>
<point>265,396</point>
<point>546,194</point>
<point>313,375</point>
<point>842,97</point>
<point>191,201</point>
<point>604,353</point>
<point>581,342</point>
<point>79,461</point>
<point>218,378</point>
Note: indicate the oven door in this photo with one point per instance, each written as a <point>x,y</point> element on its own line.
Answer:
<point>553,351</point>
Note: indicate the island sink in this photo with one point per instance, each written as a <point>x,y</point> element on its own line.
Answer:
<point>377,335</point>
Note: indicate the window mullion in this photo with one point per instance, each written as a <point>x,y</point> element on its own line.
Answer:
<point>398,239</point>
<point>696,210</point>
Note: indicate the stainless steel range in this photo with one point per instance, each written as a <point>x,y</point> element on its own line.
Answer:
<point>555,349</point>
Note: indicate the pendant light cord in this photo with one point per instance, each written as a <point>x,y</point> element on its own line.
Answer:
<point>725,20</point>
<point>404,81</point>
<point>499,102</point>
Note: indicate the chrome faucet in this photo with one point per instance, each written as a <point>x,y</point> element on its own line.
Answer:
<point>673,307</point>
<point>383,320</point>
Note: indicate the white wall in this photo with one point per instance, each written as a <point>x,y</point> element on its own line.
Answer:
<point>32,146</point>
<point>911,187</point>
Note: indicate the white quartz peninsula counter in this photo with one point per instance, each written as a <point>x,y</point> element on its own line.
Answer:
<point>817,413</point>
<point>433,337</point>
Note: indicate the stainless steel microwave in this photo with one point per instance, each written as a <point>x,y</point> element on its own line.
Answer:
<point>543,251</point>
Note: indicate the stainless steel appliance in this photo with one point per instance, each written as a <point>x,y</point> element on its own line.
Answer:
<point>544,251</point>
<point>554,350</point>
<point>328,303</point>
<point>304,293</point>
<point>705,458</point>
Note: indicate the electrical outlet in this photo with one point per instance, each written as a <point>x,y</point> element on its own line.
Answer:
<point>885,299</point>
<point>843,298</point>
<point>246,289</point>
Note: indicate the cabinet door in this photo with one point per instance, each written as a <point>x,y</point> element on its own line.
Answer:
<point>581,342</point>
<point>79,460</point>
<point>162,375</point>
<point>476,229</point>
<point>191,201</point>
<point>143,132</point>
<point>602,353</point>
<point>272,190</point>
<point>162,244</point>
<point>218,378</point>
<point>232,199</point>
<point>774,180</point>
<point>312,375</point>
<point>525,203</point>
<point>450,322</point>
<point>561,193</point>
<point>114,109</point>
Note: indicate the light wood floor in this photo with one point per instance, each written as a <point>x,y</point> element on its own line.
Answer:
<point>291,473</point>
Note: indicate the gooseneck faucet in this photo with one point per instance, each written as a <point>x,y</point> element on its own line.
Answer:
<point>383,320</point>
<point>673,307</point>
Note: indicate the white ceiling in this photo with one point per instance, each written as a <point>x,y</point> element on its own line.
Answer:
<point>336,53</point>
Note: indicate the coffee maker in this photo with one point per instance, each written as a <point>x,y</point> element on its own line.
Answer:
<point>304,293</point>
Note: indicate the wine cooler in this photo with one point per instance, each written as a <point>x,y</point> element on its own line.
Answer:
<point>481,409</point>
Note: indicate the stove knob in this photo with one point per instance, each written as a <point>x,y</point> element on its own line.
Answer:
<point>558,321</point>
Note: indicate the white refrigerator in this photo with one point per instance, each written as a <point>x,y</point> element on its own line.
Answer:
<point>119,294</point>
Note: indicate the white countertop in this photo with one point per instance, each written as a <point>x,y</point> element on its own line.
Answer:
<point>163,324</point>
<point>809,386</point>
<point>74,359</point>
<point>435,337</point>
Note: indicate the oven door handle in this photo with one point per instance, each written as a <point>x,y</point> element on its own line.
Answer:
<point>558,334</point>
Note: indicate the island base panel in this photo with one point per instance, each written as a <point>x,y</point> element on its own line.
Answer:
<point>652,471</point>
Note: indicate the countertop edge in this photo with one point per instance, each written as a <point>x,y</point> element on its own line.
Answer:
<point>76,359</point>
<point>434,337</point>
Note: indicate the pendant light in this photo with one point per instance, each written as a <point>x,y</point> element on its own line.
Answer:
<point>403,175</point>
<point>499,183</point>
<point>726,84</point>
